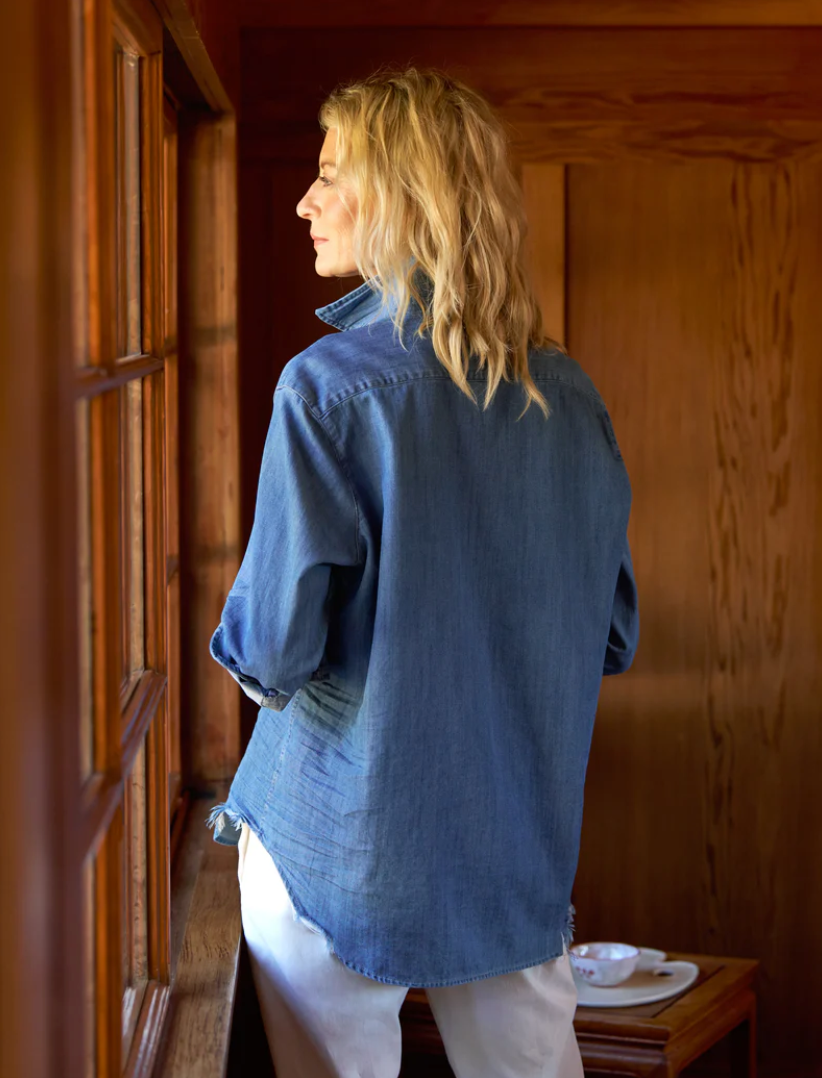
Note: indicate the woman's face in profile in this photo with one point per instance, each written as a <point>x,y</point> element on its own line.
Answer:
<point>332,225</point>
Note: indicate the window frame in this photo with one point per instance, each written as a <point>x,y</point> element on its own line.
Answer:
<point>127,717</point>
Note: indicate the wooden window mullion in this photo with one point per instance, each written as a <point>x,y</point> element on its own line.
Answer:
<point>151,98</point>
<point>101,195</point>
<point>122,383</point>
<point>108,929</point>
<point>171,460</point>
<point>158,856</point>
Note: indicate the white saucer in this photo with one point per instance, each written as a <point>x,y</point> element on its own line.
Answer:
<point>643,986</point>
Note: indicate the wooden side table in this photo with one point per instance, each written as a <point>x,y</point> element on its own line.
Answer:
<point>661,1039</point>
<point>655,1040</point>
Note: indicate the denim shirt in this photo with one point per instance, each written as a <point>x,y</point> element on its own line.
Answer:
<point>430,596</point>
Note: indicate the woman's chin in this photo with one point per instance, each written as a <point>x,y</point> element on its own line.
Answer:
<point>331,269</point>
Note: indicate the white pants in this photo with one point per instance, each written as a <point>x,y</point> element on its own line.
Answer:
<point>323,1020</point>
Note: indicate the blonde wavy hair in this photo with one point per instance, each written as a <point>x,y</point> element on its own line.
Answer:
<point>428,159</point>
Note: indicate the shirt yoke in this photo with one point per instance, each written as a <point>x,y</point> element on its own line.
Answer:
<point>339,366</point>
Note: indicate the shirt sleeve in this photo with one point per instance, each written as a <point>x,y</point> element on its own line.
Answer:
<point>624,633</point>
<point>272,632</point>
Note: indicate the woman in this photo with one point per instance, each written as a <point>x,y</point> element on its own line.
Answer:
<point>431,593</point>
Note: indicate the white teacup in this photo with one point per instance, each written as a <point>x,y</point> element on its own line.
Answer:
<point>650,958</point>
<point>604,964</point>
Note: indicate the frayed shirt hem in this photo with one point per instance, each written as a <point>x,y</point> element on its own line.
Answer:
<point>227,822</point>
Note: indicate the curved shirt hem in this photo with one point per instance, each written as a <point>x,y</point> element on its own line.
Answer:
<point>226,821</point>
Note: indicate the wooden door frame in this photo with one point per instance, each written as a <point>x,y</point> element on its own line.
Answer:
<point>42,973</point>
<point>40,906</point>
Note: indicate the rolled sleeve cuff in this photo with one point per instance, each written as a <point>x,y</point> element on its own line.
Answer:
<point>617,661</point>
<point>262,696</point>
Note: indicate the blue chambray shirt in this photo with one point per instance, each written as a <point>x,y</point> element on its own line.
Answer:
<point>429,599</point>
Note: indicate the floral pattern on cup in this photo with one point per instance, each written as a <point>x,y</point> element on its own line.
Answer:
<point>604,964</point>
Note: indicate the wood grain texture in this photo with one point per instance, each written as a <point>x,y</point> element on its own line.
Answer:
<point>567,94</point>
<point>41,972</point>
<point>209,434</point>
<point>568,142</point>
<point>258,13</point>
<point>630,75</point>
<point>207,34</point>
<point>205,954</point>
<point>644,1041</point>
<point>692,294</point>
<point>543,189</point>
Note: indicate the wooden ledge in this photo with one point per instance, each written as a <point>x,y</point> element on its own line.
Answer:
<point>206,932</point>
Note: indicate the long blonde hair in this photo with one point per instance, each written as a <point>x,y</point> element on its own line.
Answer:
<point>428,159</point>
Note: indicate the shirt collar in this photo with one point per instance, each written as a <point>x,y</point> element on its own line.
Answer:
<point>362,307</point>
<point>359,308</point>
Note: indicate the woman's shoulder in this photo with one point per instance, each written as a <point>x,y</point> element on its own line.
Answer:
<point>338,365</point>
<point>552,364</point>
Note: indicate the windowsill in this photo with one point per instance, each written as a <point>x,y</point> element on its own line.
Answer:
<point>206,932</point>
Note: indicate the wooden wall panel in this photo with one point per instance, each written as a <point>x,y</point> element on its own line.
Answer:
<point>209,454</point>
<point>207,35</point>
<point>41,954</point>
<point>691,263</point>
<point>280,292</point>
<point>569,94</point>
<point>568,74</point>
<point>589,141</point>
<point>543,188</point>
<point>692,302</point>
<point>324,13</point>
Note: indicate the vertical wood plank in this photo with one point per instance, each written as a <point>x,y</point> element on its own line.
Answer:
<point>41,973</point>
<point>543,191</point>
<point>763,839</point>
<point>151,155</point>
<point>692,299</point>
<point>172,447</point>
<point>157,739</point>
<point>209,433</point>
<point>637,328</point>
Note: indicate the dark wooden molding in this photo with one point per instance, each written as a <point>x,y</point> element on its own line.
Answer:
<point>567,94</point>
<point>182,24</point>
<point>41,980</point>
<point>562,143</point>
<point>361,13</point>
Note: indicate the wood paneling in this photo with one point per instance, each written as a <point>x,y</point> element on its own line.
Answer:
<point>543,189</point>
<point>195,1038</point>
<point>691,264</point>
<point>324,13</point>
<point>568,94</point>
<point>592,142</point>
<point>209,431</point>
<point>632,75</point>
<point>693,304</point>
<point>207,34</point>
<point>41,972</point>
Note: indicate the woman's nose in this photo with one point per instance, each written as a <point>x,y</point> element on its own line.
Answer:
<point>304,207</point>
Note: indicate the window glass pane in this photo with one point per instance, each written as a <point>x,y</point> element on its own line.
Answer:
<point>84,589</point>
<point>89,951</point>
<point>135,892</point>
<point>132,547</point>
<point>127,174</point>
<point>79,276</point>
